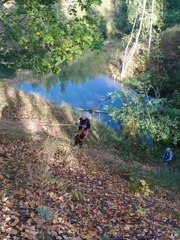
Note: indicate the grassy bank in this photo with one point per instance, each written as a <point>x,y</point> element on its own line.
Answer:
<point>140,161</point>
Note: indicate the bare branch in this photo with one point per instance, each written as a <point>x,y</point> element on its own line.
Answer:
<point>6,63</point>
<point>4,53</point>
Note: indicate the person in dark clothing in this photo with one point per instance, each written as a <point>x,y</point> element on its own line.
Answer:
<point>84,123</point>
<point>84,127</point>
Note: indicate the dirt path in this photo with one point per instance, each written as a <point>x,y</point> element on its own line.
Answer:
<point>29,125</point>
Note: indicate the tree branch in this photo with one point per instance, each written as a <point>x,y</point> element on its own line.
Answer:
<point>4,53</point>
<point>6,63</point>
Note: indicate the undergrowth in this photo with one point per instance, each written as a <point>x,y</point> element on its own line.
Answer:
<point>138,160</point>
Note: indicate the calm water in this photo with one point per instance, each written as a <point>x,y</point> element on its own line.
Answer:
<point>81,85</point>
<point>83,94</point>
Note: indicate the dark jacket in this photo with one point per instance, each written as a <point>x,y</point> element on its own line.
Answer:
<point>85,123</point>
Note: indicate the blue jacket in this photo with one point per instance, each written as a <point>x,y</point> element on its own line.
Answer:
<point>168,156</point>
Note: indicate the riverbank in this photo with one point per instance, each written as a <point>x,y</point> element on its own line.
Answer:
<point>27,114</point>
<point>53,190</point>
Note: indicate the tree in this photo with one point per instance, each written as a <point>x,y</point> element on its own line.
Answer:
<point>121,17</point>
<point>172,13</point>
<point>145,17</point>
<point>155,74</point>
<point>34,37</point>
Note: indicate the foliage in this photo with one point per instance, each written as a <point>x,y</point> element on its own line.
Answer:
<point>34,37</point>
<point>167,180</point>
<point>147,118</point>
<point>121,17</point>
<point>128,10</point>
<point>49,193</point>
<point>45,214</point>
<point>172,13</point>
<point>157,176</point>
<point>156,117</point>
<point>157,13</point>
<point>142,191</point>
<point>159,74</point>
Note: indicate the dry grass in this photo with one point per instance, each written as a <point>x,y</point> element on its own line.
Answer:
<point>33,113</point>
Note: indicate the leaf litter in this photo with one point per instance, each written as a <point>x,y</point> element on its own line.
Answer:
<point>52,194</point>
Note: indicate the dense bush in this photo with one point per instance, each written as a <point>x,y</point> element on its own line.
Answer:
<point>171,13</point>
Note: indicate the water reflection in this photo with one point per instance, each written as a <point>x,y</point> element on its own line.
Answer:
<point>85,95</point>
<point>88,68</point>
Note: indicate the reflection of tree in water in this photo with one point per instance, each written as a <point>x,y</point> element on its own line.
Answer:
<point>53,81</point>
<point>86,69</point>
<point>92,65</point>
<point>80,71</point>
<point>35,85</point>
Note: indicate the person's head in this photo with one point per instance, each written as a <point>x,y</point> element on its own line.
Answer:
<point>168,149</point>
<point>83,117</point>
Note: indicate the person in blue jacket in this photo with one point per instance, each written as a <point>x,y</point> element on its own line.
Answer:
<point>168,155</point>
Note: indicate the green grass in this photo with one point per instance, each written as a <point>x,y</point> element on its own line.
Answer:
<point>176,215</point>
<point>14,134</point>
<point>169,179</point>
<point>132,167</point>
<point>105,135</point>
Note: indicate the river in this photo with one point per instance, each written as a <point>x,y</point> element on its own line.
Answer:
<point>81,85</point>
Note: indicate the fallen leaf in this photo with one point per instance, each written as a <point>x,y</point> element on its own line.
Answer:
<point>112,232</point>
<point>16,220</point>
<point>12,231</point>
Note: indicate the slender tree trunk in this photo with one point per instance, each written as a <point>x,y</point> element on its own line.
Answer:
<point>151,27</point>
<point>137,39</point>
<point>126,50</point>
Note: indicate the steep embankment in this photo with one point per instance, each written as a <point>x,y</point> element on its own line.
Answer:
<point>53,190</point>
